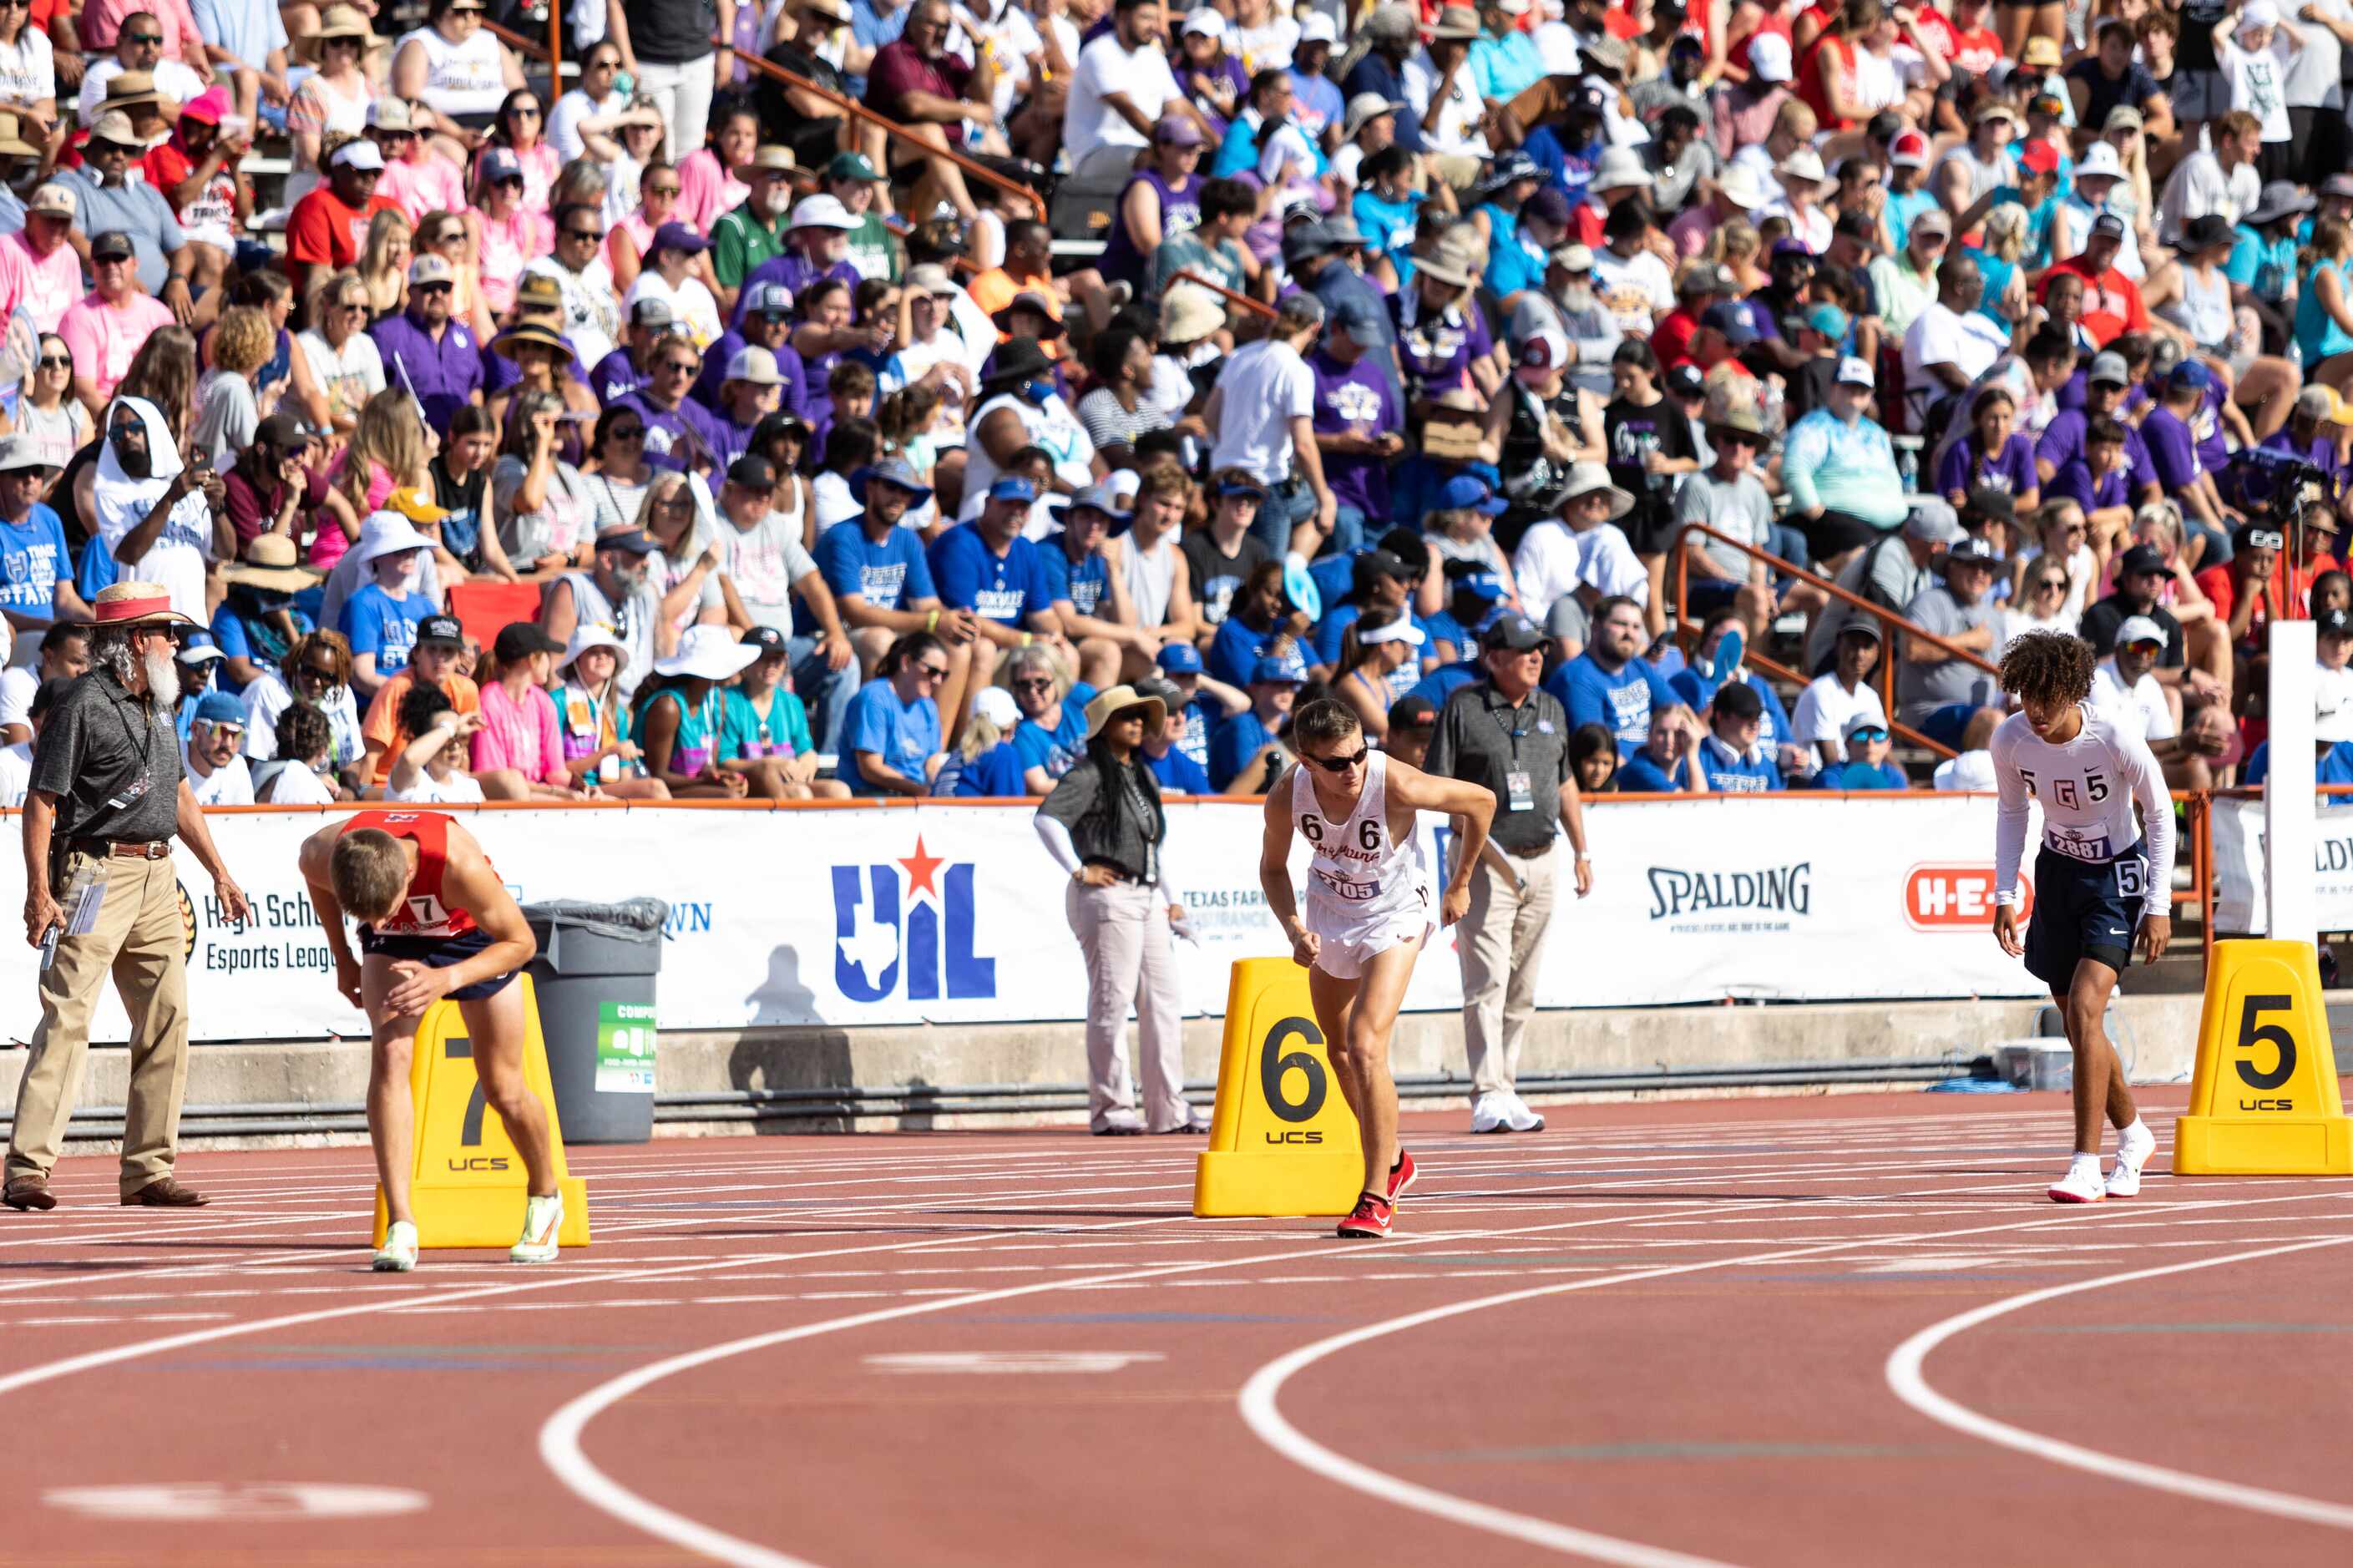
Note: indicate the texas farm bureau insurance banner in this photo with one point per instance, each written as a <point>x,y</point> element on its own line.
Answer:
<point>2242,894</point>
<point>953,914</point>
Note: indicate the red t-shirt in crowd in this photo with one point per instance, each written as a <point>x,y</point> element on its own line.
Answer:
<point>323,232</point>
<point>898,70</point>
<point>1671,339</point>
<point>2112,304</point>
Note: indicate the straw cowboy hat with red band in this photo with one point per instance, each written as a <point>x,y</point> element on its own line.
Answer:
<point>135,605</point>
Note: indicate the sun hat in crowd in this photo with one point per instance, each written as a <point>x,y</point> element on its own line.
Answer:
<point>2100,162</point>
<point>769,161</point>
<point>1452,262</point>
<point>1018,360</point>
<point>1584,478</point>
<point>2282,198</point>
<point>21,451</point>
<point>134,604</point>
<point>270,562</point>
<point>386,533</point>
<point>114,128</point>
<point>1363,109</point>
<point>1188,314</point>
<point>1112,702</point>
<point>1456,22</point>
<point>1619,168</point>
<point>821,212</point>
<point>335,22</point>
<point>586,636</point>
<point>1036,303</point>
<point>708,653</point>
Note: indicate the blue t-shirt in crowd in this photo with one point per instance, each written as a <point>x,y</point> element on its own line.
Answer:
<point>1235,651</point>
<point>1638,774</point>
<point>1863,775</point>
<point>995,774</point>
<point>1620,703</point>
<point>1006,589</point>
<point>1195,742</point>
<point>1056,748</point>
<point>32,556</point>
<point>903,735</point>
<point>1442,682</point>
<point>1729,773</point>
<point>1698,688</point>
<point>376,622</point>
<point>2334,766</point>
<point>886,576</point>
<point>1238,739</point>
<point>1178,772</point>
<point>1084,583</point>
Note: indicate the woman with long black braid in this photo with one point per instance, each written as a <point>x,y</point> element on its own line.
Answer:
<point>1104,826</point>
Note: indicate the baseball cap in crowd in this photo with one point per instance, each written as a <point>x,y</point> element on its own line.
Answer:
<point>390,113</point>
<point>1386,564</point>
<point>2108,225</point>
<point>1973,551</point>
<point>1180,659</point>
<point>112,246</point>
<point>432,266</point>
<point>2100,163</point>
<point>1855,373</point>
<point>1105,497</point>
<point>768,639</point>
<point>1177,131</point>
<point>853,166</point>
<point>1787,250</point>
<point>219,707</point>
<point>627,538</point>
<point>995,703</point>
<point>497,164</point>
<point>1731,318</point>
<point>2189,375</point>
<point>1738,699</point>
<point>1909,150</point>
<point>1574,259</point>
<point>1513,631</point>
<point>1864,627</point>
<point>753,473</point>
<point>2321,403</point>
<point>1864,724</point>
<point>755,364</point>
<point>2140,561</point>
<point>1551,204</point>
<point>442,631</point>
<point>518,640</point>
<point>1359,319</point>
<point>1936,220</point>
<point>894,471</point>
<point>2039,157</point>
<point>1013,486</point>
<point>199,650</point>
<point>2139,629</point>
<point>1546,349</point>
<point>1411,712</point>
<point>2335,623</point>
<point>53,200</point>
<point>285,431</point>
<point>1685,380</point>
<point>1205,22</point>
<point>21,451</point>
<point>1830,322</point>
<point>1992,504</point>
<point>2337,186</point>
<point>820,212</point>
<point>1242,485</point>
<point>1271,671</point>
<point>1933,523</point>
<point>1769,58</point>
<point>1468,492</point>
<point>360,154</point>
<point>1701,280</point>
<point>679,236</point>
<point>2108,370</point>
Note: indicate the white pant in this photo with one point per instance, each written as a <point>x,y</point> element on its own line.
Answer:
<point>1124,932</point>
<point>1500,944</point>
<point>682,94</point>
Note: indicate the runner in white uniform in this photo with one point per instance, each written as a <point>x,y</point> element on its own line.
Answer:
<point>2103,880</point>
<point>1367,913</point>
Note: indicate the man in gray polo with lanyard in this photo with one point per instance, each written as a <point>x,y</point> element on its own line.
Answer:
<point>101,898</point>
<point>1504,730</point>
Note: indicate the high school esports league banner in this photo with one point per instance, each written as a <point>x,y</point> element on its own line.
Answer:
<point>2241,895</point>
<point>955,914</point>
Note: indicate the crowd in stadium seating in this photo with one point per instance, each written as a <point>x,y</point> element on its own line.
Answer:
<point>682,436</point>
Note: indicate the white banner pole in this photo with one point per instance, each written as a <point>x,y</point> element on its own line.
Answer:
<point>2290,831</point>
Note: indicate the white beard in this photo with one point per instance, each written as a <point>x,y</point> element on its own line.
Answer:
<point>162,679</point>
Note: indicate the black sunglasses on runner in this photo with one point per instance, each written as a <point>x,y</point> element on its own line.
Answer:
<point>1341,764</point>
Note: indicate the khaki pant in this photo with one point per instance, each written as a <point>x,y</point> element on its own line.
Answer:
<point>1500,946</point>
<point>1124,932</point>
<point>140,940</point>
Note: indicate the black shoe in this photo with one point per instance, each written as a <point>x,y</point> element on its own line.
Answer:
<point>29,1193</point>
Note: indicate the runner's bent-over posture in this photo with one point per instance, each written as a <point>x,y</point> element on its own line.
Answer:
<point>2102,881</point>
<point>1367,913</point>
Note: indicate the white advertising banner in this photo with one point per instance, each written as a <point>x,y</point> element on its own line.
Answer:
<point>2242,906</point>
<point>950,913</point>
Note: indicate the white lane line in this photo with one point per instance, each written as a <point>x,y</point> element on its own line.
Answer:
<point>1910,1384</point>
<point>1259,1397</point>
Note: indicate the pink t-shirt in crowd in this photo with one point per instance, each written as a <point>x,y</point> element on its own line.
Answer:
<point>101,19</point>
<point>104,338</point>
<point>521,737</point>
<point>506,247</point>
<point>705,190</point>
<point>46,288</point>
<point>329,546</point>
<point>429,184</point>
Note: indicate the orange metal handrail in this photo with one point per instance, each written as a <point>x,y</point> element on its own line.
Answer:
<point>1889,622</point>
<point>972,169</point>
<point>2203,841</point>
<point>1261,307</point>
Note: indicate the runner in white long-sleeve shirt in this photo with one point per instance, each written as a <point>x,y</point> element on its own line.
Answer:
<point>2103,880</point>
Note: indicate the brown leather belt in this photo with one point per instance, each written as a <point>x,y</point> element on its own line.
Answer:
<point>1537,854</point>
<point>124,849</point>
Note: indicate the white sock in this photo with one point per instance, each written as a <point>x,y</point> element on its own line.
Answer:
<point>2138,1130</point>
<point>2083,1160</point>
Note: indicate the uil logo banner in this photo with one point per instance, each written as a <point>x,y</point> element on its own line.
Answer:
<point>1282,1141</point>
<point>908,922</point>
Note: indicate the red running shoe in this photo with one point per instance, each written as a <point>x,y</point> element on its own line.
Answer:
<point>1401,1175</point>
<point>1369,1221</point>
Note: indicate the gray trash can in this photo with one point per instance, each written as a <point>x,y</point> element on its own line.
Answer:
<point>595,978</point>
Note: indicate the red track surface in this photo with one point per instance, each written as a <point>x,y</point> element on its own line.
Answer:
<point>1653,1334</point>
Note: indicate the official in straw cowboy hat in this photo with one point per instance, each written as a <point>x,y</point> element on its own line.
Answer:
<point>1104,826</point>
<point>106,797</point>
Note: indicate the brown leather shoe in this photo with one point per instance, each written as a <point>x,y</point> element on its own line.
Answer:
<point>166,1193</point>
<point>27,1193</point>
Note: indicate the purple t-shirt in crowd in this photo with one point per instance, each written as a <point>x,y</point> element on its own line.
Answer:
<point>795,272</point>
<point>2010,470</point>
<point>1354,399</point>
<point>2074,482</point>
<point>679,439</point>
<point>2172,448</point>
<point>1435,348</point>
<point>1180,213</point>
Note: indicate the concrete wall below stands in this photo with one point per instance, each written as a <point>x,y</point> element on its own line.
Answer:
<point>2159,1042</point>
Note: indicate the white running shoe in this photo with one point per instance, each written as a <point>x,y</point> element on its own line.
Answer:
<point>1520,1119</point>
<point>399,1253</point>
<point>541,1219</point>
<point>2080,1185</point>
<point>2132,1153</point>
<point>1492,1112</point>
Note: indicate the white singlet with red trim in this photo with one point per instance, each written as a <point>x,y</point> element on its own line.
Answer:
<point>1366,890</point>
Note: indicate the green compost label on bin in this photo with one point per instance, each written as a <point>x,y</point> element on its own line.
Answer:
<point>625,1048</point>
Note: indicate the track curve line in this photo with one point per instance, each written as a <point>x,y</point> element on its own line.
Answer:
<point>1910,1384</point>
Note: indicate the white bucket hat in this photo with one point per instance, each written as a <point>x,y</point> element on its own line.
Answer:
<point>1587,477</point>
<point>386,534</point>
<point>585,637</point>
<point>709,653</point>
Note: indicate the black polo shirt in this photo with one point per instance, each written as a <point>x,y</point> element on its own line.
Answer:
<point>113,761</point>
<point>1482,739</point>
<point>2102,620</point>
